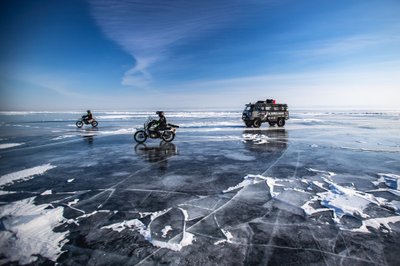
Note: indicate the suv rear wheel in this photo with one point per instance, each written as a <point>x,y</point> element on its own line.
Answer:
<point>257,123</point>
<point>281,122</point>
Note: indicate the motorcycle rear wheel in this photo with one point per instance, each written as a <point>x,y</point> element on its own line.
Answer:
<point>94,124</point>
<point>140,136</point>
<point>168,136</point>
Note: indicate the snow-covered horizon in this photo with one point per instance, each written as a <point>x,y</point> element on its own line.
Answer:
<point>199,110</point>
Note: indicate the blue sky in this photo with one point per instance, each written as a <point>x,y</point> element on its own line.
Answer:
<point>157,54</point>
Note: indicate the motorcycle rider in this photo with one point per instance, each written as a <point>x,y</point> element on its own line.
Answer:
<point>162,121</point>
<point>159,124</point>
<point>88,117</point>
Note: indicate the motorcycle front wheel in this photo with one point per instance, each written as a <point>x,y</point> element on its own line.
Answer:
<point>79,124</point>
<point>140,136</point>
<point>168,136</point>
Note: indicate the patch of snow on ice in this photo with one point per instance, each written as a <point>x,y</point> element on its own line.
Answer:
<point>75,201</point>
<point>341,200</point>
<point>29,231</point>
<point>391,180</point>
<point>319,184</point>
<point>165,230</point>
<point>70,180</point>
<point>227,235</point>
<point>154,215</point>
<point>135,224</point>
<point>25,174</point>
<point>254,179</point>
<point>219,242</point>
<point>377,223</point>
<point>187,240</point>
<point>326,195</point>
<point>343,203</point>
<point>47,192</point>
<point>248,180</point>
<point>395,205</point>
<point>308,209</point>
<point>321,171</point>
<point>242,184</point>
<point>9,145</point>
<point>271,184</point>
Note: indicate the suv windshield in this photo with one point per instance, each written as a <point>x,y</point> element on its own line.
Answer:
<point>248,108</point>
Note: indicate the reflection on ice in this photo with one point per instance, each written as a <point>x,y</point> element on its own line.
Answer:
<point>89,134</point>
<point>157,153</point>
<point>265,140</point>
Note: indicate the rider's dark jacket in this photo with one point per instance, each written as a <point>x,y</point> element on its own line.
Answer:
<point>162,122</point>
<point>89,116</point>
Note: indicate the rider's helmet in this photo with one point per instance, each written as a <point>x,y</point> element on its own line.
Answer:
<point>160,113</point>
<point>88,111</point>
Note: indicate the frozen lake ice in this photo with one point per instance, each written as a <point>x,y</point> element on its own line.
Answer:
<point>325,189</point>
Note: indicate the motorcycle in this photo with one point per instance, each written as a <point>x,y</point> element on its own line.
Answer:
<point>148,131</point>
<point>82,121</point>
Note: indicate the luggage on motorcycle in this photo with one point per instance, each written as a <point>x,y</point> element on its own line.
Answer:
<point>172,125</point>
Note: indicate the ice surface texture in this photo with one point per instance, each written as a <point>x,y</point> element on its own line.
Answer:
<point>323,190</point>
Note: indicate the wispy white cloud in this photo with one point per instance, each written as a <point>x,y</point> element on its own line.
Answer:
<point>147,29</point>
<point>344,45</point>
<point>138,75</point>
